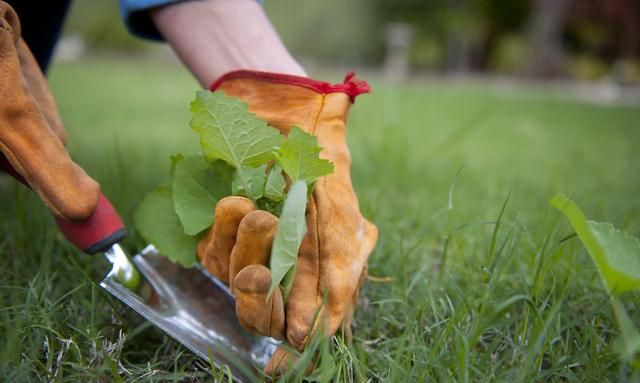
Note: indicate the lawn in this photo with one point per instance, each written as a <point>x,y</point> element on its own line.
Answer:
<point>461,292</point>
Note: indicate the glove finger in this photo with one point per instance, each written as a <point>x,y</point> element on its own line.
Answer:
<point>253,242</point>
<point>255,312</point>
<point>281,361</point>
<point>214,249</point>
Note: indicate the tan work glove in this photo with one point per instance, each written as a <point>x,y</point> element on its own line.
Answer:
<point>333,254</point>
<point>32,136</point>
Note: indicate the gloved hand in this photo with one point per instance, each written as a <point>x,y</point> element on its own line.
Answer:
<point>32,136</point>
<point>333,254</point>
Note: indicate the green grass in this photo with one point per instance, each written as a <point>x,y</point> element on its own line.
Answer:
<point>482,289</point>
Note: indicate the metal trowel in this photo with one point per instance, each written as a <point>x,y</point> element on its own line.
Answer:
<point>190,305</point>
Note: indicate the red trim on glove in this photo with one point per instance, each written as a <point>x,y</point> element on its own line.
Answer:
<point>351,86</point>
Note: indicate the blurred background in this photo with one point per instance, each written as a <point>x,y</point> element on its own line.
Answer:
<point>585,40</point>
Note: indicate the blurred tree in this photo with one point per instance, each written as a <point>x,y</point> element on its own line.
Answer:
<point>464,32</point>
<point>608,28</point>
<point>444,22</point>
<point>100,25</point>
<point>545,37</point>
<point>330,31</point>
<point>502,21</point>
<point>585,39</point>
<point>602,37</point>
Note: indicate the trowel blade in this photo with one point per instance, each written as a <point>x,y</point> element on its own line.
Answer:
<point>197,310</point>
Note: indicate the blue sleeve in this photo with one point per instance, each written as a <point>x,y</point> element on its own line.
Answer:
<point>136,17</point>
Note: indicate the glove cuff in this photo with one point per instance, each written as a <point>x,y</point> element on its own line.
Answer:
<point>351,86</point>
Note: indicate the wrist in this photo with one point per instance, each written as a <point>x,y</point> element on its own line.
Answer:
<point>351,86</point>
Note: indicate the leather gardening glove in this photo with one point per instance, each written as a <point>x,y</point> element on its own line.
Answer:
<point>333,255</point>
<point>32,136</point>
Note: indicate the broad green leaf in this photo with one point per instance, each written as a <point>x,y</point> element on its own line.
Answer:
<point>615,253</point>
<point>252,185</point>
<point>291,229</point>
<point>299,157</point>
<point>274,188</point>
<point>220,176</point>
<point>197,185</point>
<point>228,131</point>
<point>158,224</point>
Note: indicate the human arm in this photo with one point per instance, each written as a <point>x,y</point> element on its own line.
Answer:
<point>214,37</point>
